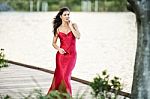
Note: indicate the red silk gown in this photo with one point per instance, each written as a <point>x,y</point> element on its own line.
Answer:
<point>64,63</point>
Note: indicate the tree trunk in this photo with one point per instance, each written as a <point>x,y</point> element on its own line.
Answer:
<point>141,77</point>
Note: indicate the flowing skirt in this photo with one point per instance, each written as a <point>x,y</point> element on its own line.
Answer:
<point>62,76</point>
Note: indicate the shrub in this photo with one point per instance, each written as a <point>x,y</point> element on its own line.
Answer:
<point>3,62</point>
<point>103,85</point>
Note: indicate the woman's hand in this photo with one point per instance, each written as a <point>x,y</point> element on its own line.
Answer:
<point>61,51</point>
<point>70,24</point>
<point>74,29</point>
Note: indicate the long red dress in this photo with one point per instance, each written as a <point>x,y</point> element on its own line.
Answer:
<point>64,63</point>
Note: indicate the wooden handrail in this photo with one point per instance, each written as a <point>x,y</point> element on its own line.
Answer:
<point>47,71</point>
<point>72,78</point>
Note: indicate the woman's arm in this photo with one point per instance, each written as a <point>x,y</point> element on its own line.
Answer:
<point>55,41</point>
<point>61,51</point>
<point>74,29</point>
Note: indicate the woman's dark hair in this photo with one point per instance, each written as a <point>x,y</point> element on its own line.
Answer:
<point>57,20</point>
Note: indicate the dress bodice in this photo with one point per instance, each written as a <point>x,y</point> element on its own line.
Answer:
<point>67,41</point>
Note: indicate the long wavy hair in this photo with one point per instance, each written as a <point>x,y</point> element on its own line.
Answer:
<point>57,20</point>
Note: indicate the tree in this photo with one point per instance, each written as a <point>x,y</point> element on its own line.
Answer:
<point>141,76</point>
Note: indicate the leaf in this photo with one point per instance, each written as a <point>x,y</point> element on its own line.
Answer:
<point>104,72</point>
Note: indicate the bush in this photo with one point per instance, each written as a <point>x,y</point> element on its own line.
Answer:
<point>37,94</point>
<point>102,86</point>
<point>3,62</point>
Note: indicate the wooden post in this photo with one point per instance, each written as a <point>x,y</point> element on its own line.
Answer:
<point>84,5</point>
<point>96,5</point>
<point>44,6</point>
<point>38,5</point>
<point>31,5</point>
<point>89,5</point>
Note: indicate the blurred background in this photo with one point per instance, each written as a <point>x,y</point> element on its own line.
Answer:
<point>53,5</point>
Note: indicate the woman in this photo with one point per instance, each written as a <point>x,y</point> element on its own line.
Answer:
<point>67,32</point>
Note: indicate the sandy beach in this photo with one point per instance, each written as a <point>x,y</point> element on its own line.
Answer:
<point>108,41</point>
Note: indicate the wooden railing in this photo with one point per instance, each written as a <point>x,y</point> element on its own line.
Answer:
<point>121,93</point>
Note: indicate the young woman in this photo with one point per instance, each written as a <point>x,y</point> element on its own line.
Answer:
<point>66,55</point>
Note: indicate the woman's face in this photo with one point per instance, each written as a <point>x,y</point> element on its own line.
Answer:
<point>65,16</point>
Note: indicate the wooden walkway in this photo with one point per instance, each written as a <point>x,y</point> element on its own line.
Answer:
<point>20,80</point>
<point>17,81</point>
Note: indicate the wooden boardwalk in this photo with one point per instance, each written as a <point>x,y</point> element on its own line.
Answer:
<point>17,81</point>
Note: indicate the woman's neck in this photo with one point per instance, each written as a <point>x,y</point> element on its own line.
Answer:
<point>64,24</point>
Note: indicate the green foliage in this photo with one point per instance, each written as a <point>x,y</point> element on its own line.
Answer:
<point>19,5</point>
<point>80,95</point>
<point>58,95</point>
<point>112,5</point>
<point>74,5</point>
<point>37,94</point>
<point>3,62</point>
<point>102,86</point>
<point>5,97</point>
